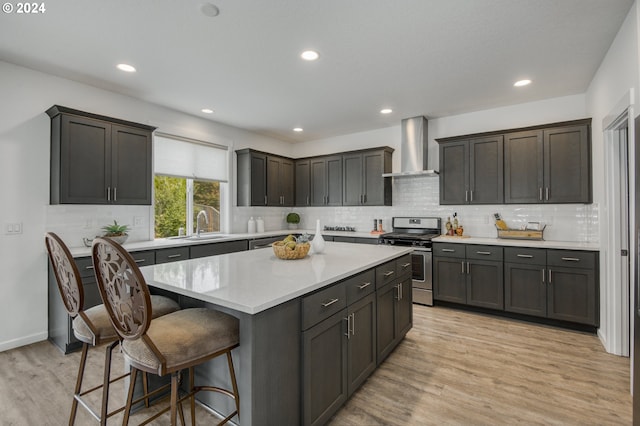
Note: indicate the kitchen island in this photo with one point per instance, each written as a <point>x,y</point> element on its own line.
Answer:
<point>276,302</point>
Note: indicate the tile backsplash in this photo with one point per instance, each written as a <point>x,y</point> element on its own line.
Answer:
<point>419,196</point>
<point>413,196</point>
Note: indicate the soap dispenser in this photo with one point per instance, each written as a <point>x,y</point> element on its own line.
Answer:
<point>251,227</point>
<point>260,225</point>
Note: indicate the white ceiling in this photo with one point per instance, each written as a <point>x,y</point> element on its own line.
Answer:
<point>418,57</point>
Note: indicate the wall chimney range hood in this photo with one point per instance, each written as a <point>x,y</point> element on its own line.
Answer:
<point>413,149</point>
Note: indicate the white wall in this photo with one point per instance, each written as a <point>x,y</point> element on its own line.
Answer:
<point>615,85</point>
<point>24,193</point>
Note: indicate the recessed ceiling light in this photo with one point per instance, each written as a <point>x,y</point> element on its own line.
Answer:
<point>521,83</point>
<point>207,111</point>
<point>386,111</point>
<point>126,68</point>
<point>309,55</point>
<point>210,10</point>
<point>298,129</point>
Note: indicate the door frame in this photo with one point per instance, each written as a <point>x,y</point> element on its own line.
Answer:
<point>616,292</point>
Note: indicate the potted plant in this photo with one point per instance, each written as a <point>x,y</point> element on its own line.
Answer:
<point>293,219</point>
<point>117,233</point>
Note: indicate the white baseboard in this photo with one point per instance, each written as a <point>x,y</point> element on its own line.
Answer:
<point>27,340</point>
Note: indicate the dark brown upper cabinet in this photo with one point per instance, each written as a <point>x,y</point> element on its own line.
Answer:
<point>471,170</point>
<point>264,179</point>
<point>303,182</point>
<point>363,184</point>
<point>326,180</point>
<point>99,160</point>
<point>551,165</point>
<point>540,164</point>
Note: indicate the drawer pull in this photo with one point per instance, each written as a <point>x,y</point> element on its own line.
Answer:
<point>484,252</point>
<point>448,250</point>
<point>406,265</point>
<point>89,267</point>
<point>329,303</point>
<point>140,260</point>
<point>389,273</point>
<point>262,246</point>
<point>571,259</point>
<point>527,256</point>
<point>173,256</point>
<point>364,285</point>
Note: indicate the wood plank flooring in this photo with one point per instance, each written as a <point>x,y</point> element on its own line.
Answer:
<point>462,368</point>
<point>453,368</point>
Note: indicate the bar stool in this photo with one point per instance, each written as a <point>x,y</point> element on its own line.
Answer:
<point>169,344</point>
<point>92,327</point>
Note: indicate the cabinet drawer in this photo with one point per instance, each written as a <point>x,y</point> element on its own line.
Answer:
<point>85,267</point>
<point>172,254</point>
<point>214,249</point>
<point>360,285</point>
<point>449,250</point>
<point>403,266</point>
<point>144,258</point>
<point>572,258</point>
<point>481,252</point>
<point>386,273</point>
<point>318,306</point>
<point>525,255</point>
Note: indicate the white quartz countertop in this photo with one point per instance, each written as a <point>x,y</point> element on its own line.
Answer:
<point>566,245</point>
<point>256,280</point>
<point>161,243</point>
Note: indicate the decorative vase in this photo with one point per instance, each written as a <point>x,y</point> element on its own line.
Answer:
<point>293,226</point>
<point>317,244</point>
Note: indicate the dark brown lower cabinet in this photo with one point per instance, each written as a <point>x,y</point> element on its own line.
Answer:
<point>485,284</point>
<point>361,348</point>
<point>571,294</point>
<point>394,315</point>
<point>325,368</point>
<point>449,280</point>
<point>525,290</point>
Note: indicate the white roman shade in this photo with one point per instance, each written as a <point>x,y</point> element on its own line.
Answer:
<point>189,158</point>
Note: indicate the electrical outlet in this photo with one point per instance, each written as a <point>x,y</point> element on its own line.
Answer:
<point>13,228</point>
<point>138,220</point>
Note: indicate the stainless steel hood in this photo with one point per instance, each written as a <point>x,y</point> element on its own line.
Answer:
<point>413,149</point>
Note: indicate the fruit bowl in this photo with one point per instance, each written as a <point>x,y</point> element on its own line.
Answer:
<point>290,250</point>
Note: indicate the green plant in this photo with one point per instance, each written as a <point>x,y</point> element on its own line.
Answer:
<point>115,230</point>
<point>293,218</point>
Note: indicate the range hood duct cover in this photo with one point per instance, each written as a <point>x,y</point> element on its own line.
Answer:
<point>413,149</point>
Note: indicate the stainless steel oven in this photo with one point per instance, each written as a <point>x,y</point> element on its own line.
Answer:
<point>417,232</point>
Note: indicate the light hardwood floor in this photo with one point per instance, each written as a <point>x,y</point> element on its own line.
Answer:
<point>453,368</point>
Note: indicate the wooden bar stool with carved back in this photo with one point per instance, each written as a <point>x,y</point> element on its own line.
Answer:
<point>166,345</point>
<point>92,327</point>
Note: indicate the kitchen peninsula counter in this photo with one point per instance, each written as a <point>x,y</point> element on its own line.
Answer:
<point>266,294</point>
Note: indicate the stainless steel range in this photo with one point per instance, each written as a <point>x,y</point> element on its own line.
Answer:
<point>417,232</point>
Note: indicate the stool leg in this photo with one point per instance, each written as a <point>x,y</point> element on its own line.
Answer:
<point>232,372</point>
<point>174,397</point>
<point>74,405</point>
<point>145,388</point>
<point>105,384</point>
<point>192,400</point>
<point>132,384</point>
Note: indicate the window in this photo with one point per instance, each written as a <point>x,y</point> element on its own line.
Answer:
<point>188,186</point>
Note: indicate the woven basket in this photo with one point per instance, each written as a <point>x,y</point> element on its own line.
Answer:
<point>282,252</point>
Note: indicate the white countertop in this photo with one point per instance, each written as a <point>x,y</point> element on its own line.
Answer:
<point>565,245</point>
<point>181,242</point>
<point>256,280</point>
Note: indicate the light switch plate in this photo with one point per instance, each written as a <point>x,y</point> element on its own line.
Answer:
<point>13,228</point>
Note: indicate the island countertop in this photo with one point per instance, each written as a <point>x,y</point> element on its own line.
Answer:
<point>256,280</point>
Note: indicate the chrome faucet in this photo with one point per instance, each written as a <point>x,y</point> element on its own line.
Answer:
<point>206,221</point>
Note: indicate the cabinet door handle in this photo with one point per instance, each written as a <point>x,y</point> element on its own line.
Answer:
<point>406,265</point>
<point>540,196</point>
<point>329,303</point>
<point>174,256</point>
<point>547,193</point>
<point>484,252</point>
<point>526,256</point>
<point>389,273</point>
<point>353,324</point>
<point>108,193</point>
<point>348,320</point>
<point>307,200</point>
<point>462,265</point>
<point>399,291</point>
<point>467,268</point>
<point>364,285</point>
<point>571,259</point>
<point>448,250</point>
<point>549,275</point>
<point>543,276</point>
<point>472,195</point>
<point>364,198</point>
<point>466,195</point>
<point>115,194</point>
<point>265,200</point>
